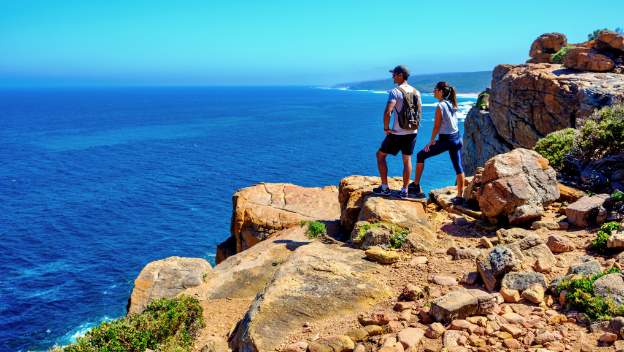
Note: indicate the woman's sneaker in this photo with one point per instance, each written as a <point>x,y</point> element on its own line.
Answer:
<point>403,194</point>
<point>415,190</point>
<point>381,191</point>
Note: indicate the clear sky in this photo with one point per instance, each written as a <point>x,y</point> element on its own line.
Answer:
<point>177,42</point>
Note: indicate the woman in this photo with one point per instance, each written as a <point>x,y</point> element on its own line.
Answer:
<point>449,139</point>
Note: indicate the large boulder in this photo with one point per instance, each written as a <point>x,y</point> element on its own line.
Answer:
<point>585,59</point>
<point>409,215</point>
<point>529,101</point>
<point>267,208</point>
<point>545,46</point>
<point>316,282</point>
<point>609,40</point>
<point>516,186</point>
<point>481,140</point>
<point>352,192</point>
<point>166,278</point>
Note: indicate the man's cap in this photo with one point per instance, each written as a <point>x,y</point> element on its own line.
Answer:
<point>401,69</point>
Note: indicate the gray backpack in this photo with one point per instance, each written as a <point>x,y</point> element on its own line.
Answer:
<point>409,116</point>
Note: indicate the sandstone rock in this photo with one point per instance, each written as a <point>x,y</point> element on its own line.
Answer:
<point>332,344</point>
<point>451,338</point>
<point>506,236</point>
<point>559,244</point>
<point>481,140</point>
<point>219,345</point>
<point>608,337</point>
<point>587,210</point>
<point>545,46</point>
<point>516,186</point>
<point>463,253</point>
<point>300,346</point>
<point>616,240</point>
<point>534,294</point>
<point>462,303</point>
<point>610,40</point>
<point>435,330</point>
<point>444,280</point>
<point>264,209</point>
<point>492,267</point>
<point>165,279</point>
<point>531,251</point>
<point>359,334</point>
<point>587,266</point>
<point>586,59</point>
<point>382,256</point>
<point>312,284</point>
<point>523,280</point>
<point>512,329</point>
<point>512,344</point>
<point>545,224</point>
<point>374,330</point>
<point>610,286</point>
<point>569,194</point>
<point>375,318</point>
<point>444,198</point>
<point>410,337</point>
<point>545,337</point>
<point>352,192</point>
<point>461,324</point>
<point>412,292</point>
<point>409,215</point>
<point>510,295</point>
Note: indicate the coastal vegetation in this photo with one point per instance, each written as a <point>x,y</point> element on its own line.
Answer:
<point>593,35</point>
<point>314,229</point>
<point>600,242</point>
<point>602,134</point>
<point>579,294</point>
<point>166,325</point>
<point>558,57</point>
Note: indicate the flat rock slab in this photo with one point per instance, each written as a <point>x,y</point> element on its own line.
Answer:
<point>165,279</point>
<point>462,303</point>
<point>264,209</point>
<point>317,281</point>
<point>587,210</point>
<point>523,280</point>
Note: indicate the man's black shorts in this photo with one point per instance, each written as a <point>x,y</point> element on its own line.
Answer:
<point>395,143</point>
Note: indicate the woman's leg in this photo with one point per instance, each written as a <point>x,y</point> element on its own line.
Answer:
<point>455,153</point>
<point>439,147</point>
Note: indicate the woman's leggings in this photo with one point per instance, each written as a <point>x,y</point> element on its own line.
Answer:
<point>446,142</point>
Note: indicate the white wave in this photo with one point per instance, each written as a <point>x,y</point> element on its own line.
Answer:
<point>468,95</point>
<point>80,331</point>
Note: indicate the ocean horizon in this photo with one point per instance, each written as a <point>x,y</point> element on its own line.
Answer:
<point>98,182</point>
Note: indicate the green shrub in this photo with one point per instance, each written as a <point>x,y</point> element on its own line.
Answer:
<point>580,296</point>
<point>599,243</point>
<point>166,325</point>
<point>558,57</point>
<point>398,238</point>
<point>593,35</point>
<point>618,196</point>
<point>315,228</point>
<point>602,134</point>
<point>556,145</point>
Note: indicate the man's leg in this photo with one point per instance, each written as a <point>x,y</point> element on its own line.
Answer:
<point>383,167</point>
<point>407,170</point>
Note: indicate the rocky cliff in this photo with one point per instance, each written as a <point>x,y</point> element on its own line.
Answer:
<point>529,101</point>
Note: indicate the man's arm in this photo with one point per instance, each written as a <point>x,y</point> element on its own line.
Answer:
<point>419,102</point>
<point>388,114</point>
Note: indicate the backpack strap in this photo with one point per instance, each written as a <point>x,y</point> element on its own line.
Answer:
<point>405,95</point>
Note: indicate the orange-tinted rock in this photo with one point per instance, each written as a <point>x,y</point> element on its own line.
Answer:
<point>262,210</point>
<point>610,40</point>
<point>545,46</point>
<point>584,59</point>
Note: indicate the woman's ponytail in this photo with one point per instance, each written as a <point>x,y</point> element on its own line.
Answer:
<point>448,93</point>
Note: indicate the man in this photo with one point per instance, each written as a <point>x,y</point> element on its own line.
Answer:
<point>398,138</point>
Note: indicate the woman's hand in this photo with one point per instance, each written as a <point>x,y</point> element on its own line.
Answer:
<point>426,148</point>
<point>387,131</point>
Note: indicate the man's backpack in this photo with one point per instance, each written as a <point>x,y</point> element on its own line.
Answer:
<point>409,116</point>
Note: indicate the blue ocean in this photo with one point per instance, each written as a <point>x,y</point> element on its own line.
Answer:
<point>97,182</point>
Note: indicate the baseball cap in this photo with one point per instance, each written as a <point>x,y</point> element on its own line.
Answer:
<point>400,69</point>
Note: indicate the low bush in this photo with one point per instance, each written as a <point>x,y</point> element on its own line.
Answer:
<point>398,234</point>
<point>314,228</point>
<point>166,325</point>
<point>599,243</point>
<point>617,196</point>
<point>602,134</point>
<point>556,145</point>
<point>558,57</point>
<point>580,296</point>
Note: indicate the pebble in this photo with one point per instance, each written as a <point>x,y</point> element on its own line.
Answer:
<point>435,330</point>
<point>444,280</point>
<point>512,344</point>
<point>608,337</point>
<point>510,295</point>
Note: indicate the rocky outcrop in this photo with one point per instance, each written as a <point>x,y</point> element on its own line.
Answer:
<point>586,59</point>
<point>484,140</point>
<point>314,283</point>
<point>165,279</point>
<point>264,209</point>
<point>545,46</point>
<point>529,101</point>
<point>516,186</point>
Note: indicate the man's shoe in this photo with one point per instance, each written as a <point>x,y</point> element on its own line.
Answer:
<point>403,194</point>
<point>381,191</point>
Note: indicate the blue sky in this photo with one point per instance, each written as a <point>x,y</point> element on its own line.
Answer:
<point>273,42</point>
